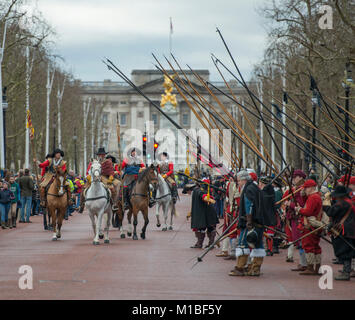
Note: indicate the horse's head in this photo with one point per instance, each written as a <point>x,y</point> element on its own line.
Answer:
<point>95,170</point>
<point>60,176</point>
<point>153,176</point>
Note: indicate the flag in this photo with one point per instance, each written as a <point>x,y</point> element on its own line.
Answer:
<point>29,125</point>
<point>171,26</point>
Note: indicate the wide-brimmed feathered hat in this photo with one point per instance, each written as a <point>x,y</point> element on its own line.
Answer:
<point>101,151</point>
<point>57,151</point>
<point>112,158</point>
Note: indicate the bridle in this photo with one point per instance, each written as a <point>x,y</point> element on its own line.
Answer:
<point>60,186</point>
<point>148,180</point>
<point>95,172</point>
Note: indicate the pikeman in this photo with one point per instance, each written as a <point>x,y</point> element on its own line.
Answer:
<point>291,218</point>
<point>313,210</point>
<point>203,213</point>
<point>342,216</point>
<point>233,198</point>
<point>166,169</point>
<point>251,227</point>
<point>48,169</point>
<point>131,165</point>
<point>107,178</point>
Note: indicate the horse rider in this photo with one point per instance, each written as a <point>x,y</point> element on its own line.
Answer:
<point>166,169</point>
<point>48,173</point>
<point>131,165</point>
<point>107,178</point>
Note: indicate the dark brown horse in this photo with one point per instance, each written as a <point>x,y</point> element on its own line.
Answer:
<point>140,199</point>
<point>57,201</point>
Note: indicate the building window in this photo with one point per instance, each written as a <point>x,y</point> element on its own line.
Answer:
<point>185,119</point>
<point>123,102</point>
<point>123,119</point>
<point>140,114</point>
<point>155,119</point>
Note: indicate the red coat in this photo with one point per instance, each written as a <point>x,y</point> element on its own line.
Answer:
<point>46,164</point>
<point>171,169</point>
<point>313,206</point>
<point>125,163</point>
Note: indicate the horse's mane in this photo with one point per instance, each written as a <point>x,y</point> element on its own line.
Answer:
<point>143,174</point>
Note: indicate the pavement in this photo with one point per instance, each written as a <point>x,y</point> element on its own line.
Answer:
<point>157,268</point>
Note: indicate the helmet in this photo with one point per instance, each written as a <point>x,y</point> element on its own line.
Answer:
<point>252,238</point>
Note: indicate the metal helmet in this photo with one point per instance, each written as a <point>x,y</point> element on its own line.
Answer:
<point>252,238</point>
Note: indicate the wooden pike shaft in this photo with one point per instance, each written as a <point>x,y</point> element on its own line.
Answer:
<point>247,118</point>
<point>196,92</point>
<point>250,142</point>
<point>194,111</point>
<point>288,197</point>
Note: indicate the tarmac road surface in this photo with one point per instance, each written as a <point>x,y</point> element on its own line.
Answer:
<point>155,268</point>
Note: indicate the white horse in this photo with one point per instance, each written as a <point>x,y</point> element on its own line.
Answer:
<point>164,201</point>
<point>98,203</point>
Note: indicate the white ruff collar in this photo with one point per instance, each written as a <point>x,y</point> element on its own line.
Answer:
<point>57,162</point>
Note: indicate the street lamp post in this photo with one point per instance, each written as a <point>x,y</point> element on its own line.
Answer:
<point>75,138</point>
<point>314,104</point>
<point>347,87</point>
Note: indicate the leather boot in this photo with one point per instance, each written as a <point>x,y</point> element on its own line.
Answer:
<point>9,223</point>
<point>14,222</point>
<point>200,237</point>
<point>345,274</point>
<point>174,193</point>
<point>255,267</point>
<point>82,202</point>
<point>211,235</point>
<point>126,197</point>
<point>239,268</point>
<point>3,225</point>
<point>42,196</point>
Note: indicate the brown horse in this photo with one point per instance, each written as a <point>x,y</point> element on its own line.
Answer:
<point>57,201</point>
<point>140,200</point>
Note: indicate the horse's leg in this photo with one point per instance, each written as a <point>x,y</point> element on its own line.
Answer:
<point>104,218</point>
<point>135,222</point>
<point>120,221</point>
<point>60,217</point>
<point>92,218</point>
<point>165,214</point>
<point>54,223</point>
<point>129,218</point>
<point>157,214</point>
<point>146,221</point>
<point>172,212</point>
<point>109,214</point>
<point>98,227</point>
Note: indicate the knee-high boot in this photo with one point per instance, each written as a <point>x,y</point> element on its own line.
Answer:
<point>200,237</point>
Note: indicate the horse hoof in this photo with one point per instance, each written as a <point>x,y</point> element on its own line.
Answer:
<point>164,229</point>
<point>135,237</point>
<point>95,243</point>
<point>106,241</point>
<point>170,228</point>
<point>54,239</point>
<point>158,225</point>
<point>143,235</point>
<point>129,234</point>
<point>101,236</point>
<point>59,236</point>
<point>123,236</point>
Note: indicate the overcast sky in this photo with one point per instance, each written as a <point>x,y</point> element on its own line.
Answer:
<point>128,31</point>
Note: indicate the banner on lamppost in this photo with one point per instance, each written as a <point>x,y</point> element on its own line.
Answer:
<point>29,125</point>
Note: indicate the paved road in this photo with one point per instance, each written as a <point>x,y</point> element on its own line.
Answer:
<point>155,268</point>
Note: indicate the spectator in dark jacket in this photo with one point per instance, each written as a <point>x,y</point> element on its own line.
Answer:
<point>26,186</point>
<point>5,202</point>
